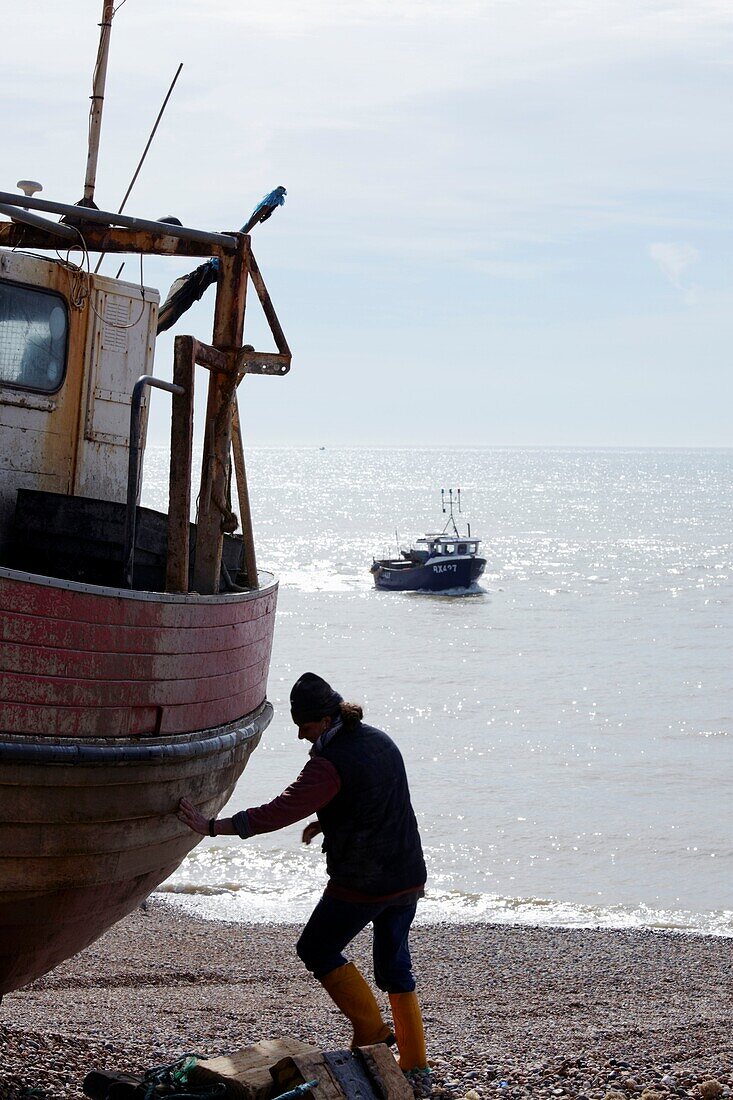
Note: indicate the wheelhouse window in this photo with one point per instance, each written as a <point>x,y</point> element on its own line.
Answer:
<point>34,330</point>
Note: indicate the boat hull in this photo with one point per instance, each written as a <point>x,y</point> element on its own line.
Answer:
<point>113,705</point>
<point>79,660</point>
<point>89,830</point>
<point>398,576</point>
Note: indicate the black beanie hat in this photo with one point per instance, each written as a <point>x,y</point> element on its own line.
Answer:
<point>311,699</point>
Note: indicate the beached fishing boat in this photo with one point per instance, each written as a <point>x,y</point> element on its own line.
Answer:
<point>438,562</point>
<point>135,645</point>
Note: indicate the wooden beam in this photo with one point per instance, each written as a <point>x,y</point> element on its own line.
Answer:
<point>209,357</point>
<point>179,507</point>
<point>267,306</point>
<point>231,295</point>
<point>248,1068</point>
<point>102,239</point>
<point>245,513</point>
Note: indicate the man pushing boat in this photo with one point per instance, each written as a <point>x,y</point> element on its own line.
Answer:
<point>356,785</point>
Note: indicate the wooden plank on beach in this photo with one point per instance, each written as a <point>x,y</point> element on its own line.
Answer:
<point>249,1068</point>
<point>299,1068</point>
<point>367,1073</point>
<point>389,1080</point>
<point>256,1056</point>
<point>352,1075</point>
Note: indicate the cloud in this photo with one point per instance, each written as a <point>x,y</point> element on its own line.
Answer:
<point>462,174</point>
<point>673,259</point>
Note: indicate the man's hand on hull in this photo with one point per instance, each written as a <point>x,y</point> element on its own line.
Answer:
<point>189,815</point>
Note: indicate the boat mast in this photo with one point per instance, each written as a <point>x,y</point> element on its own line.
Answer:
<point>97,97</point>
<point>451,501</point>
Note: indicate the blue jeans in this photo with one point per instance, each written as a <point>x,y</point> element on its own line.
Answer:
<point>334,924</point>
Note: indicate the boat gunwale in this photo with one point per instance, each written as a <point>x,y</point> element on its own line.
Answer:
<point>104,591</point>
<point>20,748</point>
<point>397,564</point>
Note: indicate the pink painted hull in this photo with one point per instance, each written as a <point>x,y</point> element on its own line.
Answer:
<point>112,706</point>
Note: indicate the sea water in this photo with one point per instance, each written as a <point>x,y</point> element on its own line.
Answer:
<point>567,726</point>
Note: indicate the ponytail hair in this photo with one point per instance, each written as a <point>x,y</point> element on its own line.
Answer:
<point>351,715</point>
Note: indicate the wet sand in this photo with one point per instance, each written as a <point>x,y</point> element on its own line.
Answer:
<point>509,1011</point>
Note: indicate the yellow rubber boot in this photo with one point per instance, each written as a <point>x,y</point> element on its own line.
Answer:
<point>349,992</point>
<point>409,1031</point>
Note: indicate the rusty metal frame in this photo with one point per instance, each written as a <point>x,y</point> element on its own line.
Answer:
<point>227,360</point>
<point>245,514</point>
<point>187,354</point>
<point>250,361</point>
<point>180,470</point>
<point>106,239</point>
<point>231,298</point>
<point>134,470</point>
<point>84,216</point>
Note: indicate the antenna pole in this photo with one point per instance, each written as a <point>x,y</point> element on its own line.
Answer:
<point>145,153</point>
<point>451,501</point>
<point>97,97</point>
<point>150,139</point>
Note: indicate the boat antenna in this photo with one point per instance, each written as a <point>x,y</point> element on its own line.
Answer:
<point>99,80</point>
<point>145,153</point>
<point>452,500</point>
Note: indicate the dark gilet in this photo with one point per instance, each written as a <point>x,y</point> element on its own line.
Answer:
<point>371,839</point>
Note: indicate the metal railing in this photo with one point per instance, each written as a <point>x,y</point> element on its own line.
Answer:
<point>133,468</point>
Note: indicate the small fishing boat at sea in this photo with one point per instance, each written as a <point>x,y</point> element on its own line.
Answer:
<point>438,562</point>
<point>135,645</point>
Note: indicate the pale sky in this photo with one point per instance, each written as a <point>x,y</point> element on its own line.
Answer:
<point>508,222</point>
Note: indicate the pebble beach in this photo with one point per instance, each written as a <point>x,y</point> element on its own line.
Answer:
<point>510,1012</point>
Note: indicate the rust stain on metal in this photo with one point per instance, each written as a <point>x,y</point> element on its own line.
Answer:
<point>100,239</point>
<point>250,557</point>
<point>214,359</point>
<point>267,306</point>
<point>179,504</point>
<point>250,361</point>
<point>231,300</point>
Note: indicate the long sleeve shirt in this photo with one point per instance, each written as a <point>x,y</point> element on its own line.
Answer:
<point>314,788</point>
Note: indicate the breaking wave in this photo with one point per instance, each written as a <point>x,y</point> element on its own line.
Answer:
<point>227,884</point>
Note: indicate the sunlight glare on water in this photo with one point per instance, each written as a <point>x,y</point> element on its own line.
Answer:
<point>567,728</point>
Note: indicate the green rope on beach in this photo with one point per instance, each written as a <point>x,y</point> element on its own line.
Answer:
<point>170,1081</point>
<point>421,1082</point>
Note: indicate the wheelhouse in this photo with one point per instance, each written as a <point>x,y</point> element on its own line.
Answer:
<point>439,546</point>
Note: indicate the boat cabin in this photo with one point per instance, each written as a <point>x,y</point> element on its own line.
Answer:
<point>438,546</point>
<point>71,350</point>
